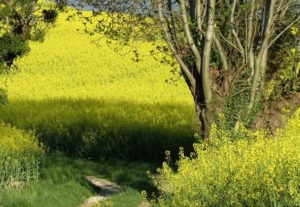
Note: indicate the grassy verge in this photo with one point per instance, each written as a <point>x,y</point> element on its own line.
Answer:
<point>62,183</point>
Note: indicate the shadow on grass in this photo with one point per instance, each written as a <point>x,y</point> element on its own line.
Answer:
<point>101,129</point>
<point>124,173</point>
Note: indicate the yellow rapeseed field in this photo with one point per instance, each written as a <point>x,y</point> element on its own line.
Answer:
<point>68,64</point>
<point>79,95</point>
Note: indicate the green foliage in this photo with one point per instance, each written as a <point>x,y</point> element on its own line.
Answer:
<point>11,47</point>
<point>20,157</point>
<point>22,20</point>
<point>257,171</point>
<point>127,198</point>
<point>285,81</point>
<point>235,110</point>
<point>235,107</point>
<point>50,15</point>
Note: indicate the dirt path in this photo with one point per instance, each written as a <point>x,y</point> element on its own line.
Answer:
<point>105,189</point>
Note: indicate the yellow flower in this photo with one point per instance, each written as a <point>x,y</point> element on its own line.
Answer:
<point>293,50</point>
<point>294,30</point>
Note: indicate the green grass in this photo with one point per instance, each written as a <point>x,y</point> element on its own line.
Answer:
<point>62,183</point>
<point>127,198</point>
<point>60,186</point>
<point>47,194</point>
<point>124,173</point>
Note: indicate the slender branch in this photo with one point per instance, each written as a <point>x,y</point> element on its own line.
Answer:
<point>250,38</point>
<point>262,54</point>
<point>230,43</point>
<point>222,53</point>
<point>283,31</point>
<point>199,6</point>
<point>238,41</point>
<point>206,81</point>
<point>169,40</point>
<point>189,35</point>
<point>269,19</point>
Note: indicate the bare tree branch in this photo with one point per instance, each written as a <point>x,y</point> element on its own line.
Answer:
<point>189,36</point>
<point>284,30</point>
<point>170,43</point>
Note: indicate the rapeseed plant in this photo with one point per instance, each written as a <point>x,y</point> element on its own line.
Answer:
<point>20,157</point>
<point>255,170</point>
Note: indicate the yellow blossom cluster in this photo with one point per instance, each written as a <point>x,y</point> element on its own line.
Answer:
<point>256,171</point>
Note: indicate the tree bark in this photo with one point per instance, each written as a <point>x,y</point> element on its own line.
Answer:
<point>205,71</point>
<point>261,58</point>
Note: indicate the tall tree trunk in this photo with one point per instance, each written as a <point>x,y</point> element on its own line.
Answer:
<point>203,112</point>
<point>206,116</point>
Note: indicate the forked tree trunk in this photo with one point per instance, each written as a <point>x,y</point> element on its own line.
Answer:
<point>258,83</point>
<point>260,62</point>
<point>191,43</point>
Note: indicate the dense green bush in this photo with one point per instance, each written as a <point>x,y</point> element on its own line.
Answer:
<point>257,171</point>
<point>11,47</point>
<point>20,157</point>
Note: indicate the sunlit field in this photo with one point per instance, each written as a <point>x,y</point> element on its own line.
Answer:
<point>84,98</point>
<point>70,65</point>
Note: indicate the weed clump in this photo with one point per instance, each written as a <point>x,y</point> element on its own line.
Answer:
<point>20,157</point>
